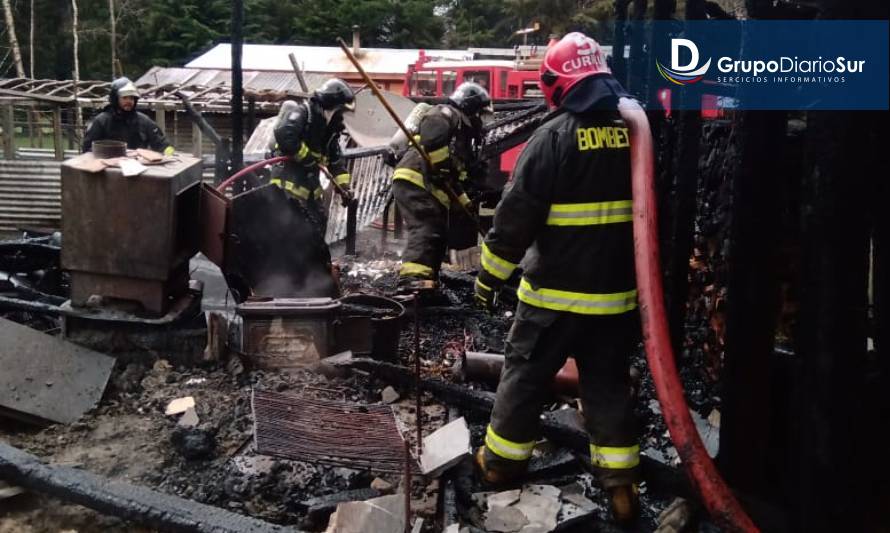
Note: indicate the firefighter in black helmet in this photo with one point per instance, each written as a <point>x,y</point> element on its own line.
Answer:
<point>120,121</point>
<point>451,134</point>
<point>310,133</point>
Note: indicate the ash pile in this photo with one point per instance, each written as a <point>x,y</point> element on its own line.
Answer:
<point>297,441</point>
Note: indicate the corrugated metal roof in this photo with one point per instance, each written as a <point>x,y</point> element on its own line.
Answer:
<point>319,59</point>
<point>253,80</point>
<point>30,194</point>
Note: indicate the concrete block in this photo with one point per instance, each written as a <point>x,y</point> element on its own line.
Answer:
<point>445,447</point>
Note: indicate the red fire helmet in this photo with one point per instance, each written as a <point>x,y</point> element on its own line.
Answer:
<point>575,57</point>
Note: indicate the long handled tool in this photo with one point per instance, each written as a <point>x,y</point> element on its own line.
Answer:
<point>426,157</point>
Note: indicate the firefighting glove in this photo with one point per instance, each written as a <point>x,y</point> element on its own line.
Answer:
<point>487,288</point>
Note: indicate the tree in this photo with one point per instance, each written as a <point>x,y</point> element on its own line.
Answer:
<point>13,40</point>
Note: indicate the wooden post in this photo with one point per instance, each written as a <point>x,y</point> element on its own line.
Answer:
<point>8,132</point>
<point>57,134</point>
<point>161,117</point>
<point>757,199</point>
<point>831,416</point>
<point>39,121</point>
<point>197,140</point>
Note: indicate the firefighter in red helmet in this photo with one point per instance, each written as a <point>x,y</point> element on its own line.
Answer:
<point>569,206</point>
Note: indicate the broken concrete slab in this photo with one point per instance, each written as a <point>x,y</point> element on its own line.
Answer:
<point>189,419</point>
<point>445,447</point>
<point>380,515</point>
<point>389,395</point>
<point>318,510</point>
<point>180,406</point>
<point>540,504</point>
<point>384,486</point>
<point>505,520</point>
<point>46,379</point>
<point>503,499</point>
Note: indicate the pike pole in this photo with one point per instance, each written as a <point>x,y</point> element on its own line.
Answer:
<point>416,145</point>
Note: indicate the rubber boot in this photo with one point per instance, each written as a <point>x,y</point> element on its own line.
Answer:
<point>497,477</point>
<point>625,500</point>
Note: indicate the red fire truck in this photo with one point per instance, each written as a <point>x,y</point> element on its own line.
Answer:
<point>504,80</point>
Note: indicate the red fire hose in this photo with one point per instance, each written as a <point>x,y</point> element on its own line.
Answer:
<point>248,169</point>
<point>719,500</point>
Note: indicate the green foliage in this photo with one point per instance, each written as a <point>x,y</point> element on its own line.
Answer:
<point>172,32</point>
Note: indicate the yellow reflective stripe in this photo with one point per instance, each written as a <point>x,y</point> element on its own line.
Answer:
<point>409,175</point>
<point>302,152</point>
<point>342,179</point>
<point>415,269</point>
<point>616,457</point>
<point>577,302</point>
<point>412,176</point>
<point>464,199</point>
<point>463,175</point>
<point>275,181</point>
<point>588,214</point>
<point>484,286</point>
<point>437,156</point>
<point>494,265</point>
<point>318,193</point>
<point>169,150</point>
<point>442,196</point>
<point>515,451</point>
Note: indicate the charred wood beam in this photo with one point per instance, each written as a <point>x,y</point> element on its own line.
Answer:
<point>830,407</point>
<point>123,500</point>
<point>682,220</point>
<point>757,200</point>
<point>28,305</point>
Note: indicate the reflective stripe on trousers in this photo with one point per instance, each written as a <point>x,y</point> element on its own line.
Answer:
<point>577,302</point>
<point>514,451</point>
<point>615,457</point>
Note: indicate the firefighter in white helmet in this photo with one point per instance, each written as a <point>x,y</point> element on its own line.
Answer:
<point>120,121</point>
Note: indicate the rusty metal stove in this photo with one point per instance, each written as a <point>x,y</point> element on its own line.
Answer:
<point>287,332</point>
<point>130,238</point>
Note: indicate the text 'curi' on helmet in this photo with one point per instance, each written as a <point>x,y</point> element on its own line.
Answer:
<point>575,57</point>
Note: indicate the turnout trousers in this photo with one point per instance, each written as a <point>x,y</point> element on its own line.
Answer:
<point>538,344</point>
<point>426,228</point>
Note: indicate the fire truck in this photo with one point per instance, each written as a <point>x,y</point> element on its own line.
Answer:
<point>505,80</point>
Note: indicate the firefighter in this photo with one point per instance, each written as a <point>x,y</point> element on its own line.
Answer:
<point>310,133</point>
<point>120,121</point>
<point>451,134</point>
<point>569,205</point>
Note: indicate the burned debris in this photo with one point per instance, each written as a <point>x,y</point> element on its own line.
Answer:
<point>250,355</point>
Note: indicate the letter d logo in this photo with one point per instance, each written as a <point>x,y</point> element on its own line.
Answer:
<point>683,74</point>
